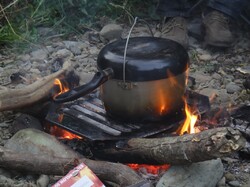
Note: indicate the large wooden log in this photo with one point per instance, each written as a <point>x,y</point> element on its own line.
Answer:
<point>42,164</point>
<point>17,98</point>
<point>206,145</point>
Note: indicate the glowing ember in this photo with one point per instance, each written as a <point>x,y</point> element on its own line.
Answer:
<point>62,88</point>
<point>62,134</point>
<point>188,126</point>
<point>162,109</point>
<point>153,169</point>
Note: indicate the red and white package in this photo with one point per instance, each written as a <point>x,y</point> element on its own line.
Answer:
<point>80,176</point>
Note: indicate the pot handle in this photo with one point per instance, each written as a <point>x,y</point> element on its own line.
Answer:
<point>98,79</point>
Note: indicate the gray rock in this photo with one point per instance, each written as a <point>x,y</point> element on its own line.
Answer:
<point>224,97</point>
<point>200,77</point>
<point>229,177</point>
<point>38,142</point>
<point>42,67</point>
<point>75,50</point>
<point>244,70</point>
<point>205,57</point>
<point>85,77</point>
<point>75,47</point>
<point>24,121</point>
<point>221,183</point>
<point>24,57</point>
<point>80,45</point>
<point>209,92</point>
<point>202,174</point>
<point>234,183</point>
<point>5,182</point>
<point>216,76</point>
<point>39,55</point>
<point>42,181</point>
<point>58,45</point>
<point>35,71</point>
<point>50,49</point>
<point>232,88</point>
<point>111,32</point>
<point>62,53</point>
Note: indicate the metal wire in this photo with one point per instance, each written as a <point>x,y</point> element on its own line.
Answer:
<point>126,45</point>
<point>125,50</point>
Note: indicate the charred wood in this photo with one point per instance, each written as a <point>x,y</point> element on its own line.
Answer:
<point>11,99</point>
<point>206,145</point>
<point>42,164</point>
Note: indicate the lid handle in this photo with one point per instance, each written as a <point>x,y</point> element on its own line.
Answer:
<point>126,46</point>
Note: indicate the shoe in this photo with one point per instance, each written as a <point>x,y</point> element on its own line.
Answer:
<point>176,29</point>
<point>216,28</point>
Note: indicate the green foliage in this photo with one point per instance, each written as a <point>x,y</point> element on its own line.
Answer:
<point>19,19</point>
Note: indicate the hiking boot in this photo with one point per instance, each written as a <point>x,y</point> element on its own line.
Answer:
<point>176,29</point>
<point>216,28</point>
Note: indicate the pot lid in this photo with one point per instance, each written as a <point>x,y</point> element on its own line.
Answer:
<point>147,58</point>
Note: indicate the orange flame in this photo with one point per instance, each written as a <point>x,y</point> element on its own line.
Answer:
<point>62,134</point>
<point>189,123</point>
<point>62,88</point>
<point>153,169</point>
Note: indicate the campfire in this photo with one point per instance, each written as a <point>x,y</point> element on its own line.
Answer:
<point>148,147</point>
<point>186,125</point>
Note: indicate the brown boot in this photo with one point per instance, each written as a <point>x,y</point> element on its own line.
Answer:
<point>176,29</point>
<point>217,32</point>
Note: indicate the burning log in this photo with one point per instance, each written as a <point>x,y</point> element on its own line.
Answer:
<point>42,164</point>
<point>17,98</point>
<point>206,145</point>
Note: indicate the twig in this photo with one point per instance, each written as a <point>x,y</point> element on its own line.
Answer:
<point>3,9</point>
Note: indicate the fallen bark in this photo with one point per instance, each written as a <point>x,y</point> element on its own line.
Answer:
<point>206,145</point>
<point>42,164</point>
<point>16,98</point>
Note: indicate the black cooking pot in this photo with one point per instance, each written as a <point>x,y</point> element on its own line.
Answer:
<point>145,81</point>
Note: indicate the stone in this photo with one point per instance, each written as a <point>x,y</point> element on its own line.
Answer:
<point>24,121</point>
<point>50,49</point>
<point>42,181</point>
<point>39,55</point>
<point>200,77</point>
<point>75,50</point>
<point>205,57</point>
<point>24,57</point>
<point>244,70</point>
<point>232,88</point>
<point>202,174</point>
<point>221,183</point>
<point>210,92</point>
<point>111,32</point>
<point>34,141</point>
<point>75,47</point>
<point>62,53</point>
<point>85,77</point>
<point>216,76</point>
<point>80,45</point>
<point>5,182</point>
<point>229,177</point>
<point>234,183</point>
<point>35,71</point>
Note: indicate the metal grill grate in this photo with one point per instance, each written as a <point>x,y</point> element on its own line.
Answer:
<point>87,117</point>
